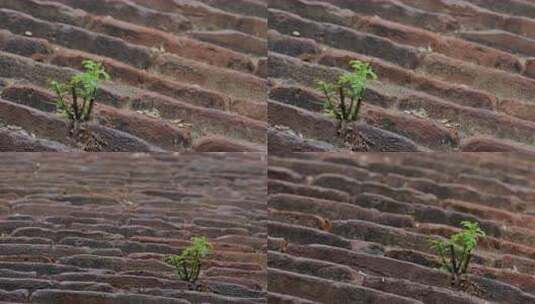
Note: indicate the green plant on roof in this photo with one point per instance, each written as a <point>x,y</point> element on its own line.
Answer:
<point>343,99</point>
<point>76,97</point>
<point>456,252</point>
<point>188,262</point>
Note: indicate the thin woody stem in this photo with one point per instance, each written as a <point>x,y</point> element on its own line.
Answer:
<point>186,274</point>
<point>329,101</point>
<point>89,109</point>
<point>467,260</point>
<point>75,103</point>
<point>454,260</point>
<point>343,103</point>
<point>351,110</point>
<point>357,110</point>
<point>443,259</point>
<point>197,272</point>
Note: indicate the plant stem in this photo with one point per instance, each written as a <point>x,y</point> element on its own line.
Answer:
<point>357,110</point>
<point>454,260</point>
<point>196,271</point>
<point>343,103</point>
<point>467,260</point>
<point>330,104</point>
<point>186,274</point>
<point>443,259</point>
<point>75,104</point>
<point>326,92</point>
<point>89,109</point>
<point>351,109</point>
<point>463,258</point>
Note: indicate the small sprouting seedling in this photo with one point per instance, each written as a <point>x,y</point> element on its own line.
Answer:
<point>456,252</point>
<point>344,98</point>
<point>188,262</point>
<point>82,89</point>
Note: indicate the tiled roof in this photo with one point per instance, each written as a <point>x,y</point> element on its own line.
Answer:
<point>453,75</point>
<point>186,75</point>
<point>355,228</point>
<point>88,228</point>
